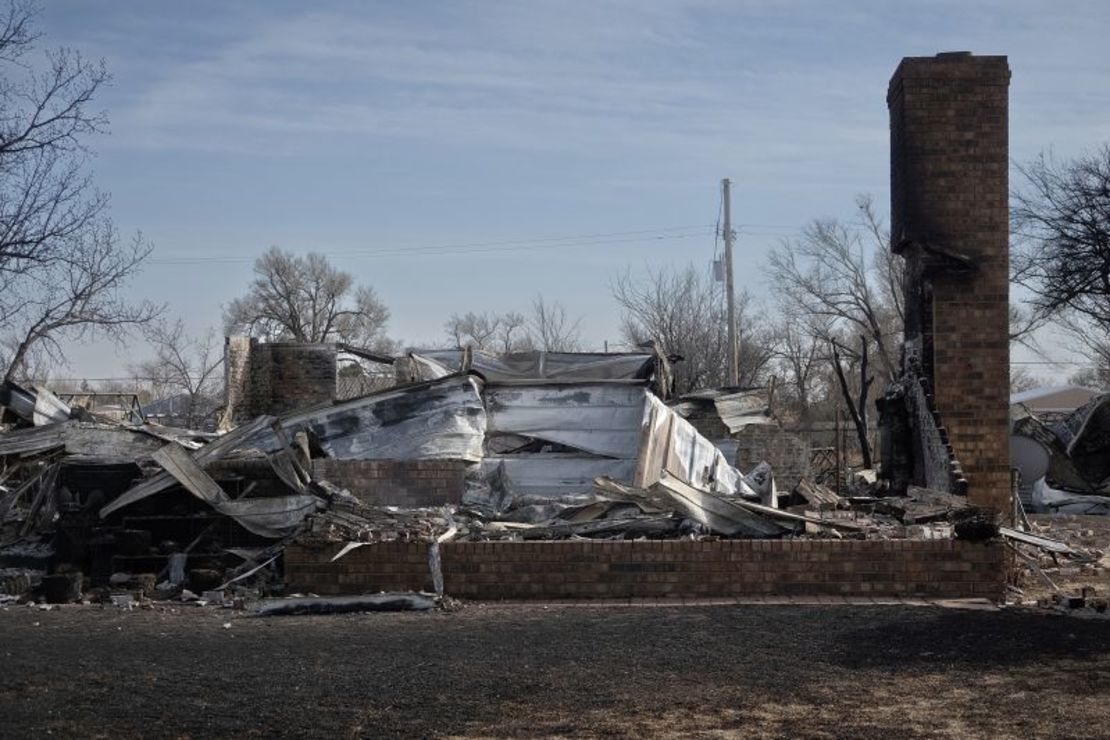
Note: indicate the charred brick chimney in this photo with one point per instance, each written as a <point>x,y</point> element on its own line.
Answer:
<point>950,220</point>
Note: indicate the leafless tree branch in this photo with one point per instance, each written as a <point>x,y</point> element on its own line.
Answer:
<point>1061,221</point>
<point>685,313</point>
<point>551,329</point>
<point>306,299</point>
<point>184,365</point>
<point>62,266</point>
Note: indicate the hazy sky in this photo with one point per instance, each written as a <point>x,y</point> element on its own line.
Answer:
<point>386,133</point>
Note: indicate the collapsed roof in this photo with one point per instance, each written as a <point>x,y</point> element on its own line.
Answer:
<point>530,427</point>
<point>1076,472</point>
<point>536,365</point>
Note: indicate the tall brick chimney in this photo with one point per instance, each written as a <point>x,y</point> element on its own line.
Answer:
<point>950,220</point>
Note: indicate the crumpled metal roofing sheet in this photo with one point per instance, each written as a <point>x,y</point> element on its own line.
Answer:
<point>599,418</point>
<point>437,420</point>
<point>539,365</point>
<point>555,475</point>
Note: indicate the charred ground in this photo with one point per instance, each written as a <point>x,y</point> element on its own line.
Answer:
<point>529,670</point>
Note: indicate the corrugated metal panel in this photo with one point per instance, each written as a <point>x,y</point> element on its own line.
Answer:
<point>599,418</point>
<point>673,444</point>
<point>736,409</point>
<point>553,475</point>
<point>437,420</point>
<point>34,440</point>
<point>36,405</point>
<point>538,365</point>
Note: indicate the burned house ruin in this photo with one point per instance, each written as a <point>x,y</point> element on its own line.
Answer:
<point>567,475</point>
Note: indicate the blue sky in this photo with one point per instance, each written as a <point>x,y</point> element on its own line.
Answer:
<point>373,131</point>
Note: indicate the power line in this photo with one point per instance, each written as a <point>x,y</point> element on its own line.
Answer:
<point>128,379</point>
<point>583,240</point>
<point>741,231</point>
<point>1054,362</point>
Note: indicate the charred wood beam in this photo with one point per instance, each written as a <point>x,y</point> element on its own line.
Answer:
<point>859,421</point>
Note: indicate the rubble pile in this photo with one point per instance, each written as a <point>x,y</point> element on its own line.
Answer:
<point>1063,563</point>
<point>351,521</point>
<point>1064,465</point>
<point>555,446</point>
<point>1062,533</point>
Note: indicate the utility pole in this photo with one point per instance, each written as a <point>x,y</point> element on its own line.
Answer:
<point>733,350</point>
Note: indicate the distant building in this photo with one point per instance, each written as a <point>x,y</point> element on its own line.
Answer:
<point>1053,400</point>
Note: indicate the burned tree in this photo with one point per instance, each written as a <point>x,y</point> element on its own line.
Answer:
<point>857,407</point>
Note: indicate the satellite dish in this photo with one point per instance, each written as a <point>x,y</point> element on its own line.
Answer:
<point>1030,457</point>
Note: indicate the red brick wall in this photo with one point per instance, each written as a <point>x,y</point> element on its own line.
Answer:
<point>595,569</point>
<point>299,374</point>
<point>406,483</point>
<point>276,377</point>
<point>786,453</point>
<point>386,566</point>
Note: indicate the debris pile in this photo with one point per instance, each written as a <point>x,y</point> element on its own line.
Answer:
<point>1065,466</point>
<point>1063,562</point>
<point>1063,478</point>
<point>554,446</point>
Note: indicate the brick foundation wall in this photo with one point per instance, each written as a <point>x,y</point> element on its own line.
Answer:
<point>678,569</point>
<point>949,194</point>
<point>385,566</point>
<point>406,483</point>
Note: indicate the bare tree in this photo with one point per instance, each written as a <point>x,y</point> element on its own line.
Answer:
<point>845,276</point>
<point>512,333</point>
<point>800,357</point>
<point>550,328</point>
<point>1021,379</point>
<point>505,332</point>
<point>62,266</point>
<point>1090,340</point>
<point>472,329</point>
<point>35,367</point>
<point>547,328</point>
<point>305,299</point>
<point>186,366</point>
<point>1061,220</point>
<point>1097,378</point>
<point>74,299</point>
<point>685,313</point>
<point>44,118</point>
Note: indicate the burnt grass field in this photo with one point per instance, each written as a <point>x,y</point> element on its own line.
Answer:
<point>524,670</point>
